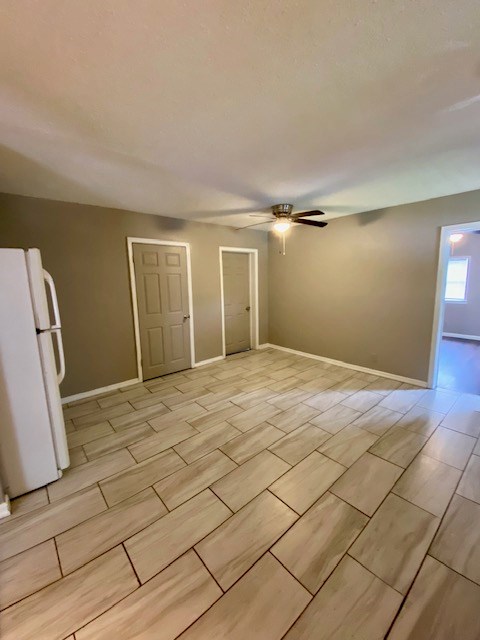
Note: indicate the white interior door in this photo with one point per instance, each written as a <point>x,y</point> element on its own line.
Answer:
<point>163,308</point>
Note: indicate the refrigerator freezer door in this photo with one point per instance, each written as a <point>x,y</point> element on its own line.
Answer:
<point>57,423</point>
<point>27,454</point>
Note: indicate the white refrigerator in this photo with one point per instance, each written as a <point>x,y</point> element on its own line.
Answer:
<point>33,442</point>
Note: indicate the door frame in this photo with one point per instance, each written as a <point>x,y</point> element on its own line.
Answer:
<point>133,289</point>
<point>253,277</point>
<point>439,309</point>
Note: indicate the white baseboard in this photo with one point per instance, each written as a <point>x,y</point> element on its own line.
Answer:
<point>460,336</point>
<point>265,345</point>
<point>5,507</point>
<point>202,363</point>
<point>94,392</point>
<point>347,365</point>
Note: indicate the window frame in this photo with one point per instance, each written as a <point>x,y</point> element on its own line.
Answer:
<point>457,300</point>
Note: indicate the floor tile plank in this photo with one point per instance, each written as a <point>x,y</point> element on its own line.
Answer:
<point>399,446</point>
<point>68,604</point>
<point>366,483</point>
<point>89,473</point>
<point>87,434</point>
<point>155,547</point>
<point>247,445</point>
<point>102,415</point>
<point>230,550</point>
<point>249,479</point>
<point>450,447</point>
<point>132,393</point>
<point>27,572</point>
<point>463,420</point>
<point>77,457</point>
<point>292,418</point>
<point>246,420</point>
<point>140,476</point>
<point>377,420</point>
<point>307,481</point>
<point>469,486</point>
<point>290,398</point>
<point>212,418</point>
<point>429,484</point>
<point>457,543</point>
<point>420,420</point>
<point>441,605</point>
<point>194,478</point>
<point>383,386</point>
<point>348,445</point>
<point>26,503</point>
<point>335,419</point>
<point>353,603</point>
<point>436,400</point>
<point>117,441</point>
<point>311,559</point>
<point>403,398</point>
<point>79,410</point>
<point>181,414</point>
<point>161,440</point>
<point>362,400</point>
<point>206,441</point>
<point>88,540</point>
<point>296,445</point>
<point>260,606</point>
<point>137,416</point>
<point>395,541</point>
<point>160,609</point>
<point>48,521</point>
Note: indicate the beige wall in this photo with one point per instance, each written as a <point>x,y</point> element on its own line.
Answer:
<point>362,290</point>
<point>85,250</point>
<point>464,317</point>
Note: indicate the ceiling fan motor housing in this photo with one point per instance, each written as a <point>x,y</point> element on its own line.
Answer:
<point>282,210</point>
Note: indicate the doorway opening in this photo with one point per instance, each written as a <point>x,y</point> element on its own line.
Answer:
<point>161,287</point>
<point>239,299</point>
<point>455,353</point>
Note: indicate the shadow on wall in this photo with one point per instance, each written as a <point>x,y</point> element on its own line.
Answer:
<point>370,217</point>
<point>14,164</point>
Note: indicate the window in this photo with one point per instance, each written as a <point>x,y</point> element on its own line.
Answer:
<point>457,273</point>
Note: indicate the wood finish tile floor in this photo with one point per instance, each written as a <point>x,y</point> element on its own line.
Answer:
<point>266,496</point>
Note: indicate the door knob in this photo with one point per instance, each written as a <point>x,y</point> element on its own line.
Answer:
<point>186,317</point>
<point>247,308</point>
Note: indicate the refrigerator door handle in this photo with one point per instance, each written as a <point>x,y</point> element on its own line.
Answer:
<point>53,295</point>
<point>61,355</point>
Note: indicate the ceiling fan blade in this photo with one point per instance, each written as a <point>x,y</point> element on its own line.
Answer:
<point>304,214</point>
<point>311,223</point>
<point>252,225</point>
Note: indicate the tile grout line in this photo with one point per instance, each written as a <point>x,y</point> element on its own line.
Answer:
<point>208,570</point>
<point>122,544</point>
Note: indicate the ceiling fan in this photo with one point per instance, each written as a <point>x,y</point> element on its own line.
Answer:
<point>284,218</point>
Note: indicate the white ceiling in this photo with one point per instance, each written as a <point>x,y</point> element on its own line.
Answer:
<point>197,109</point>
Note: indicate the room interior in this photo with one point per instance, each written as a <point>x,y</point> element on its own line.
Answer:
<point>280,464</point>
<point>460,360</point>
